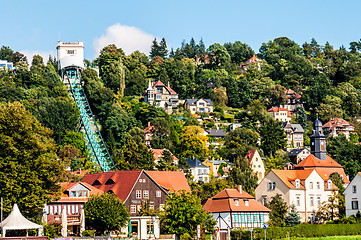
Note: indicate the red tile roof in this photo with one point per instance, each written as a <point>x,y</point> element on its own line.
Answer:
<point>123,181</point>
<point>292,94</point>
<point>171,180</point>
<point>336,123</point>
<point>224,201</point>
<point>278,109</point>
<point>253,59</point>
<point>250,155</point>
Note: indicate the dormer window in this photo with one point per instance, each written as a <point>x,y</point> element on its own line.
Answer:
<point>236,202</point>
<point>109,182</point>
<point>329,184</point>
<point>96,183</point>
<point>297,183</point>
<point>73,194</point>
<point>246,203</point>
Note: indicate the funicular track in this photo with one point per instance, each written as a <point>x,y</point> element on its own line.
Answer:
<point>98,152</point>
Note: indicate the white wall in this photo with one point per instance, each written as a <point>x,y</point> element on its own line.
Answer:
<point>353,196</point>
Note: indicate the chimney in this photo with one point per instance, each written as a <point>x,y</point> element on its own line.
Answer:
<point>239,188</point>
<point>148,124</point>
<point>168,84</point>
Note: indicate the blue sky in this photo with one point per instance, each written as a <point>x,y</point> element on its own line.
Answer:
<point>36,26</point>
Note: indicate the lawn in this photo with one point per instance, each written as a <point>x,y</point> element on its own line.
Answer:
<point>329,237</point>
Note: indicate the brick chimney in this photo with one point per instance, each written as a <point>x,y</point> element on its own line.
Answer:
<point>239,188</point>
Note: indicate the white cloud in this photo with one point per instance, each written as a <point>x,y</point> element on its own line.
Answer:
<point>128,38</point>
<point>45,54</point>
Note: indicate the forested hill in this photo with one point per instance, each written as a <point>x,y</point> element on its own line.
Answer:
<point>328,79</point>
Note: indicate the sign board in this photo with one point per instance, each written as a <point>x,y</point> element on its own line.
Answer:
<point>198,231</point>
<point>251,229</point>
<point>265,226</point>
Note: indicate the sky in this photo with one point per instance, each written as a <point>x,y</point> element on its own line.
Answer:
<point>35,27</point>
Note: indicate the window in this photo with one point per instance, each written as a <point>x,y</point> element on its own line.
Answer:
<point>145,194</point>
<point>50,210</point>
<point>133,209</point>
<point>297,183</point>
<point>158,97</point>
<point>318,201</point>
<point>264,200</point>
<point>249,218</point>
<point>139,207</point>
<point>236,202</point>
<point>311,185</point>
<point>199,171</point>
<point>71,51</point>
<point>311,201</point>
<point>354,204</point>
<point>151,207</point>
<point>159,90</point>
<point>158,193</point>
<point>138,194</point>
<point>329,184</point>
<point>243,218</point>
<point>73,194</point>
<point>84,193</point>
<point>235,218</point>
<point>246,203</point>
<point>271,185</point>
<point>354,189</point>
<point>261,218</point>
<point>201,104</point>
<point>255,218</point>
<point>318,185</point>
<point>298,201</point>
<point>150,227</point>
<point>76,208</point>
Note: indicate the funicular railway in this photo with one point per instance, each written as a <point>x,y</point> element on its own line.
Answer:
<point>70,61</point>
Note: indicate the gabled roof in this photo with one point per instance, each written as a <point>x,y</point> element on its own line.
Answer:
<point>278,109</point>
<point>225,201</point>
<point>170,180</point>
<point>149,128</point>
<point>193,101</point>
<point>292,94</point>
<point>336,123</point>
<point>123,181</point>
<point>216,132</point>
<point>250,154</point>
<point>160,84</point>
<point>295,152</point>
<point>69,185</point>
<point>253,59</point>
<point>194,162</point>
<point>296,128</point>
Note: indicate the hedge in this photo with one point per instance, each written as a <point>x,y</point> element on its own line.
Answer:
<point>303,230</point>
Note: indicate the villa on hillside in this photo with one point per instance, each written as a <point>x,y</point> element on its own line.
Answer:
<point>294,135</point>
<point>198,105</point>
<point>162,95</point>
<point>338,126</point>
<point>281,114</point>
<point>293,101</point>
<point>256,163</point>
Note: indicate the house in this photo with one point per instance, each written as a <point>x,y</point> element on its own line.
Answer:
<point>234,208</point>
<point>234,126</point>
<point>298,154</point>
<point>162,95</point>
<point>158,154</point>
<point>338,125</point>
<point>214,166</point>
<point>293,101</point>
<point>216,136</point>
<point>148,133</point>
<point>318,159</point>
<point>137,187</point>
<point>75,195</point>
<point>6,65</point>
<point>256,163</point>
<point>353,196</point>
<point>281,114</point>
<point>306,189</point>
<point>198,105</point>
<point>294,135</point>
<point>199,171</point>
<point>252,60</point>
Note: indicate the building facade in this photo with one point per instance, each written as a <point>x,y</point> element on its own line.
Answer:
<point>200,172</point>
<point>6,65</point>
<point>293,101</point>
<point>198,105</point>
<point>294,135</point>
<point>162,95</point>
<point>353,196</point>
<point>338,126</point>
<point>279,113</point>
<point>256,163</point>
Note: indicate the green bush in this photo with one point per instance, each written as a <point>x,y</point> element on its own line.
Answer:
<point>303,230</point>
<point>88,233</point>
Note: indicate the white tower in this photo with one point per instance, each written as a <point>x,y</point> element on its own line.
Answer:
<point>70,54</point>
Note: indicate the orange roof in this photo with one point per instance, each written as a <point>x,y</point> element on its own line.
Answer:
<point>311,161</point>
<point>158,153</point>
<point>225,201</point>
<point>250,155</point>
<point>253,59</point>
<point>336,123</point>
<point>292,94</point>
<point>149,128</point>
<point>289,176</point>
<point>278,109</point>
<point>171,180</point>
<point>69,185</point>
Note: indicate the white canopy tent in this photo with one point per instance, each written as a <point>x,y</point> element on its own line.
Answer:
<point>16,221</point>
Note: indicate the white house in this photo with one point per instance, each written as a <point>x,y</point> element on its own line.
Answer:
<point>199,171</point>
<point>70,54</point>
<point>281,114</point>
<point>6,65</point>
<point>306,189</point>
<point>198,105</point>
<point>353,195</point>
<point>256,163</point>
<point>234,208</point>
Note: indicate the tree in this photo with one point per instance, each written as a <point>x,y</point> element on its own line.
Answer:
<point>272,136</point>
<point>183,212</point>
<point>301,116</point>
<point>278,95</point>
<point>330,108</point>
<point>37,60</point>
<point>293,218</point>
<point>239,141</point>
<point>105,213</point>
<point>220,97</point>
<point>219,55</point>
<point>160,138</point>
<point>6,53</point>
<point>242,174</point>
<point>207,190</point>
<point>29,167</point>
<point>193,143</point>
<point>278,212</point>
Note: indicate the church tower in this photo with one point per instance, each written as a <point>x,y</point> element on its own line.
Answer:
<point>318,141</point>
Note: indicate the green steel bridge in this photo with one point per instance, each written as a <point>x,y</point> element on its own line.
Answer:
<point>98,152</point>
